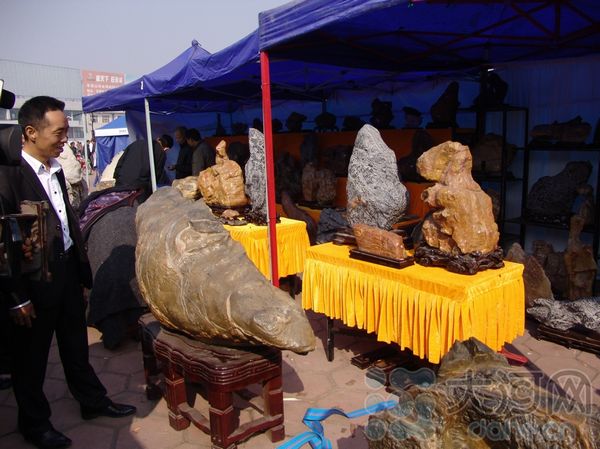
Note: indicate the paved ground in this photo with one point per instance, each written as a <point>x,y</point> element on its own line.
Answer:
<point>309,381</point>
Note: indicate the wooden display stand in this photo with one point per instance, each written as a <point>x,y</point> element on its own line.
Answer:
<point>219,372</point>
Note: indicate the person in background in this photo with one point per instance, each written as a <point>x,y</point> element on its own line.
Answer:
<point>183,167</point>
<point>171,162</point>
<point>40,309</point>
<point>203,154</point>
<point>133,168</point>
<point>76,186</point>
<point>166,143</point>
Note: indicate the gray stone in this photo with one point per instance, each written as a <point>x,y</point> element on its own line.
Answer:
<point>330,221</point>
<point>197,280</point>
<point>376,196</point>
<point>564,315</point>
<point>256,181</point>
<point>537,284</point>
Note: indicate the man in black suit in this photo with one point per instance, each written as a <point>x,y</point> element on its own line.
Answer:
<point>183,167</point>
<point>41,308</point>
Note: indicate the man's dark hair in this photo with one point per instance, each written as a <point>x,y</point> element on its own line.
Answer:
<point>193,134</point>
<point>167,139</point>
<point>33,110</point>
<point>181,129</point>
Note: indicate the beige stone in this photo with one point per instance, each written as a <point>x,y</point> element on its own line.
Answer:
<point>223,183</point>
<point>462,221</point>
<point>188,187</point>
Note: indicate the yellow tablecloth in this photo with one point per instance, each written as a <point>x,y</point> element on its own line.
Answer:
<point>292,243</point>
<point>424,309</point>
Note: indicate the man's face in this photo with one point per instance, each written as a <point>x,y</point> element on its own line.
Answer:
<point>47,139</point>
<point>179,137</point>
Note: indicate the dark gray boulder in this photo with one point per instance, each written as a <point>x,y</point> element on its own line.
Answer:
<point>551,197</point>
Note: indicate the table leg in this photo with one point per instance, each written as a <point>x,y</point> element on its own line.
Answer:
<point>175,395</point>
<point>330,339</point>
<point>273,403</point>
<point>222,415</point>
<point>151,370</point>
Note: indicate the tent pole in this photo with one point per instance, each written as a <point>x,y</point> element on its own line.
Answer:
<point>270,174</point>
<point>150,146</point>
<point>85,151</point>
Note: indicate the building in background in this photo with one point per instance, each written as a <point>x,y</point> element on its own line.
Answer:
<point>27,80</point>
<point>94,82</point>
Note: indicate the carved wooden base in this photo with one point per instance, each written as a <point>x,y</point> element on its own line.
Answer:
<point>462,263</point>
<point>219,371</point>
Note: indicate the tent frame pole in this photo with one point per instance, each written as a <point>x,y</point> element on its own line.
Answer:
<point>270,173</point>
<point>85,150</point>
<point>150,146</point>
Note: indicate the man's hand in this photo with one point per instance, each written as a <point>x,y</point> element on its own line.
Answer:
<point>23,314</point>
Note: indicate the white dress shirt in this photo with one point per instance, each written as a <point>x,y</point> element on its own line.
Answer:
<point>50,183</point>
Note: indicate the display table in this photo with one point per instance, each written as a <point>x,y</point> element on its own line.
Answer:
<point>292,243</point>
<point>424,309</point>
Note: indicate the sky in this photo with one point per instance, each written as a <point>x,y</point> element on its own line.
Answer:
<point>129,36</point>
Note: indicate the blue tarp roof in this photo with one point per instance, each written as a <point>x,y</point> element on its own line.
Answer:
<point>313,44</point>
<point>131,95</point>
<point>408,36</point>
<point>227,79</point>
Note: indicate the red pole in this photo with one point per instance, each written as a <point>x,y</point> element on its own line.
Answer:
<point>270,172</point>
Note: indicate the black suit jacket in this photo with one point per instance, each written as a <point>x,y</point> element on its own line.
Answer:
<point>21,183</point>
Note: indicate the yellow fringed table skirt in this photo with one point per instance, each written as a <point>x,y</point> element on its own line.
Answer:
<point>424,309</point>
<point>292,243</point>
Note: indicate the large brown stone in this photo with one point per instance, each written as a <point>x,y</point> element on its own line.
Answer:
<point>197,280</point>
<point>462,220</point>
<point>478,401</point>
<point>223,183</point>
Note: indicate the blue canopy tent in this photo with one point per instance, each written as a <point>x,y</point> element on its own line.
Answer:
<point>398,36</point>
<point>196,81</point>
<point>413,35</point>
<point>131,95</point>
<point>427,35</point>
<point>111,139</point>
